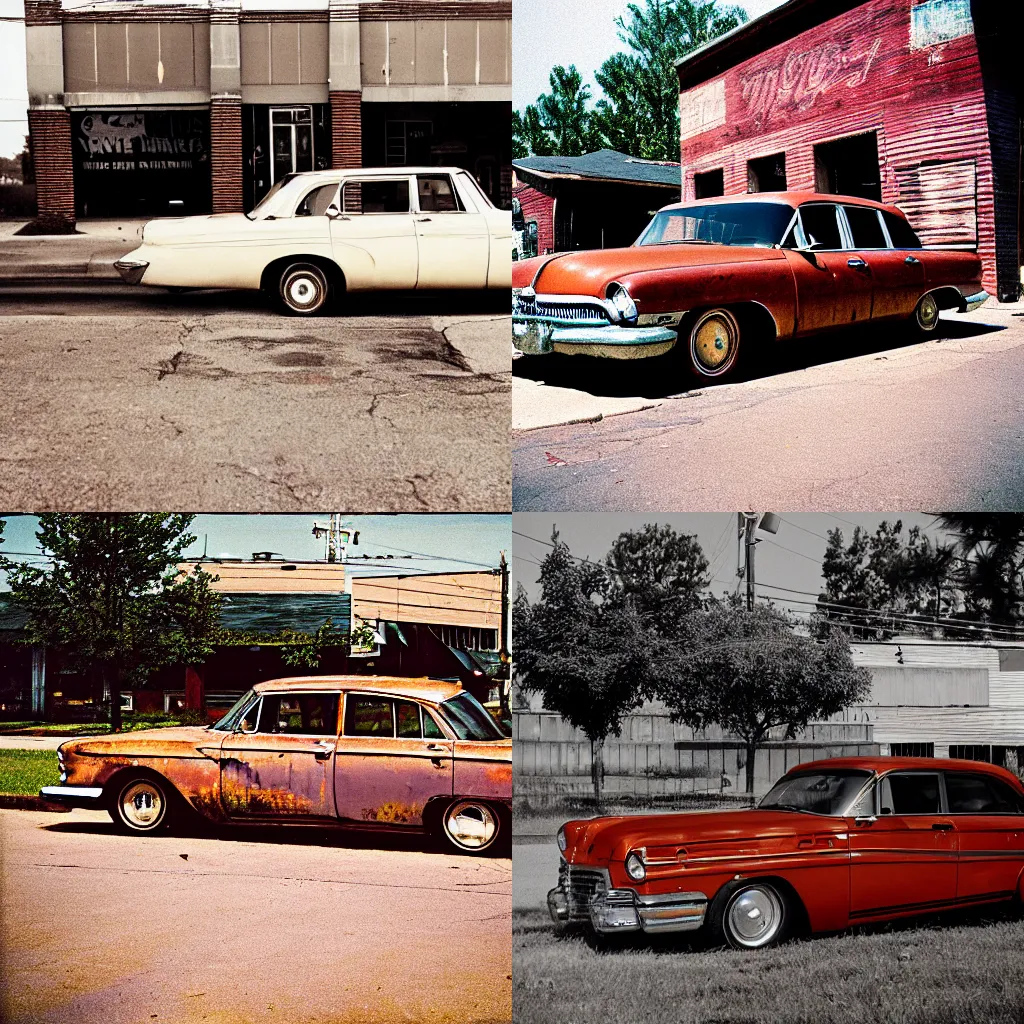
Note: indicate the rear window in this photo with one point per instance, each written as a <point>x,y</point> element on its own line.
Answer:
<point>901,233</point>
<point>978,794</point>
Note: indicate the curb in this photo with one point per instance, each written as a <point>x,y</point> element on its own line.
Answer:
<point>15,801</point>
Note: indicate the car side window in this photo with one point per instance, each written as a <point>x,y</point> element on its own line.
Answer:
<point>407,720</point>
<point>865,227</point>
<point>910,793</point>
<point>437,195</point>
<point>431,730</point>
<point>302,714</point>
<point>901,233</point>
<point>821,224</point>
<point>316,201</point>
<point>368,716</point>
<point>976,794</point>
<point>375,196</point>
<point>250,720</point>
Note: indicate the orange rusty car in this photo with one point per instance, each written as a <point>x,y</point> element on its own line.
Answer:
<point>364,751</point>
<point>718,277</point>
<point>833,844</point>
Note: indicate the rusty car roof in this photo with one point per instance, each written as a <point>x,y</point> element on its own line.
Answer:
<point>883,763</point>
<point>435,690</point>
<point>793,199</point>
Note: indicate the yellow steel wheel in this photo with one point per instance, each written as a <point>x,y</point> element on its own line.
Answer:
<point>714,343</point>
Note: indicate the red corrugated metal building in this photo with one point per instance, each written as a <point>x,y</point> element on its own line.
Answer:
<point>914,102</point>
<point>537,209</point>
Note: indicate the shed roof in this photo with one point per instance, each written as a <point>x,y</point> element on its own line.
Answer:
<point>602,165</point>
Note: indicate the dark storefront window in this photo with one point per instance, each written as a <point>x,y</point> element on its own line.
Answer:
<point>849,167</point>
<point>767,173</point>
<point>141,162</point>
<point>708,184</point>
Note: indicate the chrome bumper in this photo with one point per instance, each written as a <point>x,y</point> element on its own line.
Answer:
<point>624,910</point>
<point>537,337</point>
<point>975,301</point>
<point>131,271</point>
<point>74,796</point>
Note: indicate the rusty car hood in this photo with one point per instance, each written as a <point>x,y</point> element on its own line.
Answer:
<point>591,271</point>
<point>145,742</point>
<point>598,840</point>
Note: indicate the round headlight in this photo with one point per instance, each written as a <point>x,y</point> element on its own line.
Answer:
<point>622,302</point>
<point>560,839</point>
<point>635,865</point>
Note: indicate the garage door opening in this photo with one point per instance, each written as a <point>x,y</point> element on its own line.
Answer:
<point>849,167</point>
<point>767,173</point>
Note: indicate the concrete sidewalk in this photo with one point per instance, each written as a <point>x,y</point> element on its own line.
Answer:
<point>86,257</point>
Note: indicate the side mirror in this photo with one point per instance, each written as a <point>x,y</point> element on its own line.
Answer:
<point>332,212</point>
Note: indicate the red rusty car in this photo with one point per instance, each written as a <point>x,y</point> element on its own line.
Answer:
<point>834,843</point>
<point>329,750</point>
<point>719,276</point>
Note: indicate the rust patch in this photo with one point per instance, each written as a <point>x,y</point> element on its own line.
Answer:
<point>393,813</point>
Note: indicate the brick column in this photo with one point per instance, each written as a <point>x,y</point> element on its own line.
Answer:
<point>346,129</point>
<point>226,154</point>
<point>50,134</point>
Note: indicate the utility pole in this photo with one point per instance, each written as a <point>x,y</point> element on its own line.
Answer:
<point>338,537</point>
<point>503,653</point>
<point>747,524</point>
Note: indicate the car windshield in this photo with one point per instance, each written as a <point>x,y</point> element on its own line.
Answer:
<point>760,224</point>
<point>469,719</point>
<point>264,205</point>
<point>816,792</point>
<point>234,714</point>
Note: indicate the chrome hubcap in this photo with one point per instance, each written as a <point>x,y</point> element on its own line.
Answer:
<point>142,804</point>
<point>471,825</point>
<point>928,312</point>
<point>755,916</point>
<point>713,343</point>
<point>303,291</point>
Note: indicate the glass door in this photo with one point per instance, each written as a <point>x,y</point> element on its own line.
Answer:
<point>291,140</point>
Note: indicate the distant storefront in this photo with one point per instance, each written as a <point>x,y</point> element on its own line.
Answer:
<point>142,109</point>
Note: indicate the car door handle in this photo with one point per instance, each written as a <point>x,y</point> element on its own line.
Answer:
<point>857,264</point>
<point>942,826</point>
<point>322,755</point>
<point>434,746</point>
<point>423,220</point>
<point>911,259</point>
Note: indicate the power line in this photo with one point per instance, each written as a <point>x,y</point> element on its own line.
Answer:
<point>792,551</point>
<point>789,522</point>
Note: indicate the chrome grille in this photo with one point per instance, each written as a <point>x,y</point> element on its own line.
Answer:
<point>579,885</point>
<point>569,312</point>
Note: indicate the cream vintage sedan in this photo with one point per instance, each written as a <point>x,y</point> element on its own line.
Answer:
<point>318,235</point>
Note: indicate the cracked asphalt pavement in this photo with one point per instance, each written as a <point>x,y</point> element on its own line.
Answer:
<point>249,925</point>
<point>113,398</point>
<point>864,419</point>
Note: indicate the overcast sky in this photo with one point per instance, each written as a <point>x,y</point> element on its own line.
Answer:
<point>580,32</point>
<point>590,535</point>
<point>460,540</point>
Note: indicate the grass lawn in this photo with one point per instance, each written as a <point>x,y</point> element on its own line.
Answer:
<point>963,971</point>
<point>26,771</point>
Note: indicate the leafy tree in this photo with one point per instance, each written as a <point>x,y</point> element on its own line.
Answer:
<point>562,114</point>
<point>586,657</point>
<point>113,601</point>
<point>620,117</point>
<point>528,135</point>
<point>990,568</point>
<point>750,672</point>
<point>659,573</point>
<point>884,576</point>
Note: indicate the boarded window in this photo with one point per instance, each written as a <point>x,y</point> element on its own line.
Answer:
<point>912,749</point>
<point>940,199</point>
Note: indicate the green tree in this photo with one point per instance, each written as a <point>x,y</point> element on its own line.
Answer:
<point>585,657</point>
<point>112,600</point>
<point>528,135</point>
<point>658,573</point>
<point>563,113</point>
<point>750,673</point>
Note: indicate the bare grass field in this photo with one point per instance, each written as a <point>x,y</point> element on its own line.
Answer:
<point>961,970</point>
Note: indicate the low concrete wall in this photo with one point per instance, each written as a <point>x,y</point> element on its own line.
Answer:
<point>656,759</point>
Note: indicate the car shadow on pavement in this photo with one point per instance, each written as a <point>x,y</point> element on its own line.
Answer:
<point>394,840</point>
<point>669,375</point>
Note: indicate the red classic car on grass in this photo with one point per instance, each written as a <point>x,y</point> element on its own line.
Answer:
<point>833,844</point>
<point>717,277</point>
<point>360,751</point>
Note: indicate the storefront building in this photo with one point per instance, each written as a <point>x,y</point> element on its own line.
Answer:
<point>913,102</point>
<point>157,109</point>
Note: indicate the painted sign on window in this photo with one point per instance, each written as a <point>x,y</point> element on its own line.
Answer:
<point>939,21</point>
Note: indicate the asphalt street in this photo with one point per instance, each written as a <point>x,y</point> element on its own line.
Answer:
<point>114,398</point>
<point>865,419</point>
<point>293,925</point>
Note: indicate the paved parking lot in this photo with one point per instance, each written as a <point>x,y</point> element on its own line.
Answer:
<point>114,398</point>
<point>262,925</point>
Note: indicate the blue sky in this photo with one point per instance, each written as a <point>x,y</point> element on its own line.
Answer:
<point>580,32</point>
<point>462,541</point>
